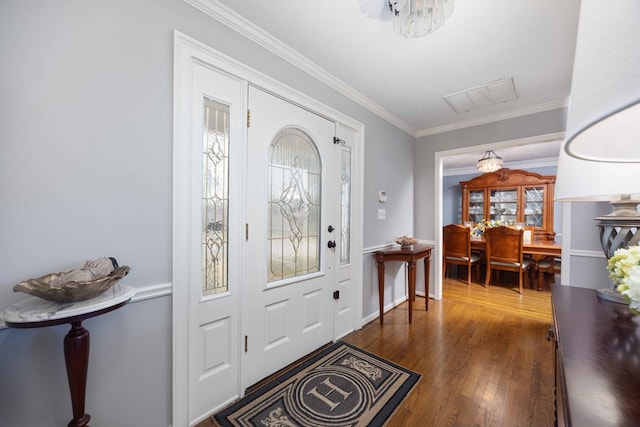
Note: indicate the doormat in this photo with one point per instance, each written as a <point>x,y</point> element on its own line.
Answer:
<point>339,386</point>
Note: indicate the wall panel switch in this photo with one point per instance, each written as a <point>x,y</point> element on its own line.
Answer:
<point>382,214</point>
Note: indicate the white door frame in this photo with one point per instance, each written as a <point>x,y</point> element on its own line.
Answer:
<point>437,182</point>
<point>187,51</point>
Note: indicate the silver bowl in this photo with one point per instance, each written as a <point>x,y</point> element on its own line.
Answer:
<point>70,291</point>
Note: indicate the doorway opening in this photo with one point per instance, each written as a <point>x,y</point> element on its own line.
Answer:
<point>439,160</point>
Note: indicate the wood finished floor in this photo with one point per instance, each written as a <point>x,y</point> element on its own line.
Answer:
<point>482,353</point>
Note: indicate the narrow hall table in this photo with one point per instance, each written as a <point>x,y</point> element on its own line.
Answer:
<point>35,312</point>
<point>410,256</point>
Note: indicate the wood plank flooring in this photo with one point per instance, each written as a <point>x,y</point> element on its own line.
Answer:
<point>482,353</point>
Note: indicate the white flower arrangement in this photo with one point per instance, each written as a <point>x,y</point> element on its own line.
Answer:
<point>482,226</point>
<point>624,270</point>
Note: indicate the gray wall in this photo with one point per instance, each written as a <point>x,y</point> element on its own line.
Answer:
<point>85,164</point>
<point>452,197</point>
<point>585,257</point>
<point>388,167</point>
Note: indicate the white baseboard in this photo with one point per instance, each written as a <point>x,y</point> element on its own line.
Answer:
<point>387,307</point>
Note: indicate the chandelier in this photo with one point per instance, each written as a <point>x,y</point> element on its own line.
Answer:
<point>417,18</point>
<point>490,162</point>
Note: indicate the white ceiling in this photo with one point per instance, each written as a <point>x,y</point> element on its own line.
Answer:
<point>404,80</point>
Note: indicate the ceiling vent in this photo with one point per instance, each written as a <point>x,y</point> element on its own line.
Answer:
<point>502,90</point>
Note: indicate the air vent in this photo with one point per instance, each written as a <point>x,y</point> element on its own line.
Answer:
<point>496,92</point>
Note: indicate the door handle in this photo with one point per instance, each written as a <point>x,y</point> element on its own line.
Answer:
<point>330,229</point>
<point>331,244</point>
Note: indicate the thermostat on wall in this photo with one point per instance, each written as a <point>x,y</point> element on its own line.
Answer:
<point>382,196</point>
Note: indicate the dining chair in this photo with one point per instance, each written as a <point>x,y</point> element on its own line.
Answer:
<point>549,265</point>
<point>505,252</point>
<point>456,248</point>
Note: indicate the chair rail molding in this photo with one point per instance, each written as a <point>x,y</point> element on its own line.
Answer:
<point>142,293</point>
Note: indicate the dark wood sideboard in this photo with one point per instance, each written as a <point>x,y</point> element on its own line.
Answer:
<point>597,360</point>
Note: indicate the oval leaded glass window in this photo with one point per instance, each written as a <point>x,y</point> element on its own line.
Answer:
<point>294,206</point>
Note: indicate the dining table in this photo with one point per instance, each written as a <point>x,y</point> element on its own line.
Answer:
<point>538,249</point>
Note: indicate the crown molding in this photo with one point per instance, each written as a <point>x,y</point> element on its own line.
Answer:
<point>539,108</point>
<point>241,25</point>
<point>238,23</point>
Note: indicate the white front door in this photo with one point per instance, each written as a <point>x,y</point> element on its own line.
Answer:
<point>289,269</point>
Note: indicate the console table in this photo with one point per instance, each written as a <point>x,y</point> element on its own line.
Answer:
<point>410,256</point>
<point>597,360</point>
<point>35,312</point>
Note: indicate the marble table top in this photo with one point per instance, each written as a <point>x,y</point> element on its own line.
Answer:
<point>36,309</point>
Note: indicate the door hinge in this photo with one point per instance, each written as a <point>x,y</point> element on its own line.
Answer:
<point>248,118</point>
<point>336,294</point>
<point>246,232</point>
<point>246,343</point>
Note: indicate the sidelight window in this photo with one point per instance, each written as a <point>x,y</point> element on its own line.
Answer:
<point>215,198</point>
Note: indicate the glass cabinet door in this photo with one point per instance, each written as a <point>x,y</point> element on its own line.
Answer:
<point>503,205</point>
<point>476,206</point>
<point>534,206</point>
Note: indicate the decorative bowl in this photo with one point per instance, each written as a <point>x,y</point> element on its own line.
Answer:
<point>406,241</point>
<point>70,291</point>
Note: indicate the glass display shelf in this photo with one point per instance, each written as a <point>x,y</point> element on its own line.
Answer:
<point>533,220</point>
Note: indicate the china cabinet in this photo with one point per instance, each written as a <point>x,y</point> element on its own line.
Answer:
<point>511,196</point>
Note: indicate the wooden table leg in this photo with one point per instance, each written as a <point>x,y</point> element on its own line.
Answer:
<point>427,273</point>
<point>380,263</point>
<point>412,287</point>
<point>540,277</point>
<point>76,357</point>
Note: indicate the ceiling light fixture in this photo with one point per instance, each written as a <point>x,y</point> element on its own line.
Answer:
<point>490,162</point>
<point>417,18</point>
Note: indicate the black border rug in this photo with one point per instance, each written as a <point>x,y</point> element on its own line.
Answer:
<point>342,385</point>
